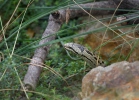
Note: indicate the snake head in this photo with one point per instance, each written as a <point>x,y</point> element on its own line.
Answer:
<point>75,48</point>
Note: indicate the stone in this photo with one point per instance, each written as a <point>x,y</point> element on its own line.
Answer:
<point>118,81</point>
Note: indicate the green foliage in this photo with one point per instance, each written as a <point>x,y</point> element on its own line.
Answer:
<point>15,63</point>
<point>61,72</point>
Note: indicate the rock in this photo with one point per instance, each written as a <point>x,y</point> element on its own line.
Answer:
<point>119,81</point>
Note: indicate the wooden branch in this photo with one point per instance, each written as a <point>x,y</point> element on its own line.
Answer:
<point>130,19</point>
<point>94,9</point>
<point>32,76</point>
<point>127,4</point>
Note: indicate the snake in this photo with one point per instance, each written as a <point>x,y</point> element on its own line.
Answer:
<point>91,58</point>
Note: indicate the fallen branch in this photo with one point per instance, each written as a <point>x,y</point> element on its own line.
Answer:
<point>127,4</point>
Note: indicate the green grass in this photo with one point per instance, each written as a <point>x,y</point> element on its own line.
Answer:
<point>61,72</point>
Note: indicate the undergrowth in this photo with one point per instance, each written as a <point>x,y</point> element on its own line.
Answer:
<point>61,76</point>
<point>14,61</point>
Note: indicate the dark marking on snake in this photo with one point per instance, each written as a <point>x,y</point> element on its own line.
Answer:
<point>73,50</point>
<point>95,58</point>
<point>87,58</point>
<point>89,53</point>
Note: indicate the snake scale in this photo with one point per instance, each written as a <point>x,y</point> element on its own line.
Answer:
<point>91,58</point>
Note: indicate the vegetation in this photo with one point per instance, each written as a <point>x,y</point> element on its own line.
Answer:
<point>22,23</point>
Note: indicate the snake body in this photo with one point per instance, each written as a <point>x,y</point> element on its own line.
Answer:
<point>91,58</point>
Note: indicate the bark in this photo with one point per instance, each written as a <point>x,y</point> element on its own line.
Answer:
<point>56,19</point>
<point>127,4</point>
<point>32,76</point>
<point>130,19</point>
<point>94,9</point>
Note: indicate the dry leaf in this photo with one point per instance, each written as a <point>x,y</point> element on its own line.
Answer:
<point>30,33</point>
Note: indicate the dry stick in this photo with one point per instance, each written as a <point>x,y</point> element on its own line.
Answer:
<point>33,73</point>
<point>55,21</point>
<point>128,4</point>
<point>130,19</point>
